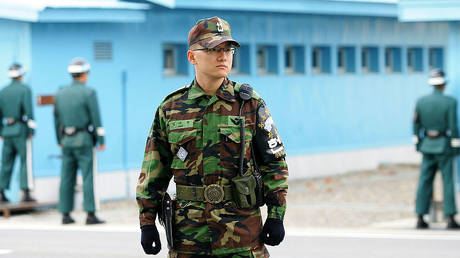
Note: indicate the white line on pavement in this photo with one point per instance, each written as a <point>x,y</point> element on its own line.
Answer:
<point>5,251</point>
<point>377,235</point>
<point>90,228</point>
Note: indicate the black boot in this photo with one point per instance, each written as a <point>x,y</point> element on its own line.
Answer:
<point>27,197</point>
<point>451,223</point>
<point>3,198</point>
<point>421,224</point>
<point>66,219</point>
<point>92,219</point>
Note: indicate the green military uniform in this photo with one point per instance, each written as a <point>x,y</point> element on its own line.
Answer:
<point>195,138</point>
<point>78,129</point>
<point>436,136</point>
<point>16,116</point>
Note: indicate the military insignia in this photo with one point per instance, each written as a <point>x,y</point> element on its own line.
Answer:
<point>268,124</point>
<point>272,143</point>
<point>234,120</point>
<point>219,27</point>
<point>182,153</point>
<point>181,124</point>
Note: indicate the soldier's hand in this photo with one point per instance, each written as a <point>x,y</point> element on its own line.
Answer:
<point>149,236</point>
<point>30,136</point>
<point>273,232</point>
<point>60,146</point>
<point>101,147</point>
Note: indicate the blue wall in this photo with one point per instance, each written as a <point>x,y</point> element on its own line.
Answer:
<point>314,113</point>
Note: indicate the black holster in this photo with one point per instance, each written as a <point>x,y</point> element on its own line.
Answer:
<point>166,217</point>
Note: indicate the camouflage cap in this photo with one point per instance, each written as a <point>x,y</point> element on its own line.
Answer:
<point>211,32</point>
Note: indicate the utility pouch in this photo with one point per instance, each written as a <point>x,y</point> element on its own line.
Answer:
<point>244,191</point>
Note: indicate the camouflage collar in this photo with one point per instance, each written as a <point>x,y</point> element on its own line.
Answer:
<point>225,91</point>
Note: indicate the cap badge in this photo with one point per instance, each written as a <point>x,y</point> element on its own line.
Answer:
<point>219,27</point>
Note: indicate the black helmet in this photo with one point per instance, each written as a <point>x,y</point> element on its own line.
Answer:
<point>437,77</point>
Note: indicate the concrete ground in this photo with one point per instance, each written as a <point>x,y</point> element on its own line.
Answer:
<point>383,198</point>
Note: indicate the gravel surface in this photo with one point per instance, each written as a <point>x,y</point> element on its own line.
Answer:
<point>355,199</point>
<point>351,200</point>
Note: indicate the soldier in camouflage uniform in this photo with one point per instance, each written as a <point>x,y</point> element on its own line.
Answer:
<point>436,136</point>
<point>195,138</point>
<point>78,128</point>
<point>17,127</point>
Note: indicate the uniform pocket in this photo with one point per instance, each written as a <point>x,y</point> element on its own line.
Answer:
<point>231,146</point>
<point>185,160</point>
<point>183,143</point>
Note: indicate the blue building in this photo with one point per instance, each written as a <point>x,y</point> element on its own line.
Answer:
<point>341,77</point>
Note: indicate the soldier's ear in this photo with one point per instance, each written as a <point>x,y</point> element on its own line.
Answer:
<point>191,57</point>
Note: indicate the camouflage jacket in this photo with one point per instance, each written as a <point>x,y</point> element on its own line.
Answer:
<point>206,126</point>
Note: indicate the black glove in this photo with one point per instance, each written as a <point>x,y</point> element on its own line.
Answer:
<point>150,235</point>
<point>273,232</point>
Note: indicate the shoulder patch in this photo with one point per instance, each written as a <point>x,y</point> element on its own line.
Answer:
<point>180,90</point>
<point>255,95</point>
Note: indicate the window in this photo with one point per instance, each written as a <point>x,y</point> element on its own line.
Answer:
<point>346,59</point>
<point>240,63</point>
<point>294,60</point>
<point>436,58</point>
<point>267,62</point>
<point>415,59</point>
<point>174,59</point>
<point>393,60</point>
<point>321,60</point>
<point>370,59</point>
<point>102,50</point>
<point>169,64</point>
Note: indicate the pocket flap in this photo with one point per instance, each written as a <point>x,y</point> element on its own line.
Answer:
<point>181,137</point>
<point>231,133</point>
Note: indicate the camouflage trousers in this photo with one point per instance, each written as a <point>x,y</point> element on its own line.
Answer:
<point>260,252</point>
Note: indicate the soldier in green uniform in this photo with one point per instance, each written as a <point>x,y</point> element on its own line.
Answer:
<point>16,128</point>
<point>78,128</point>
<point>196,138</point>
<point>436,137</point>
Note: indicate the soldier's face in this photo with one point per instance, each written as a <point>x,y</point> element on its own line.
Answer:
<point>212,64</point>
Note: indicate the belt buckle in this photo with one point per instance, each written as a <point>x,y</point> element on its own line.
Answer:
<point>433,133</point>
<point>10,121</point>
<point>70,130</point>
<point>214,193</point>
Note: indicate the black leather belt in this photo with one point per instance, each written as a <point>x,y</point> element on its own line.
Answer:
<point>12,120</point>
